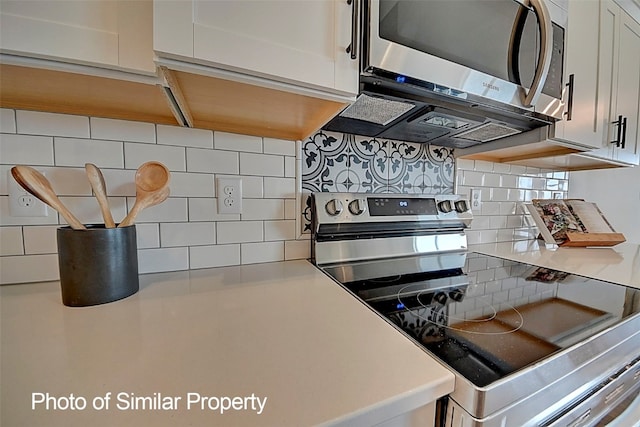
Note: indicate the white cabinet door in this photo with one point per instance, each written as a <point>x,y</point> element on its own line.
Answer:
<point>114,34</point>
<point>618,84</point>
<point>298,42</point>
<point>627,95</point>
<point>581,124</point>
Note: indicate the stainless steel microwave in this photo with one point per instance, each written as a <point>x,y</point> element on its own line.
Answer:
<point>510,51</point>
<point>457,72</point>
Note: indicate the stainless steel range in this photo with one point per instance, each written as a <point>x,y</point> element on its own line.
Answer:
<point>529,346</point>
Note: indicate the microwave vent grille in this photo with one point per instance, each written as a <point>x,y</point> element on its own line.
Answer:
<point>488,132</point>
<point>376,110</point>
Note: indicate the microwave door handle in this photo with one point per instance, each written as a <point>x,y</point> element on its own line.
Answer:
<point>514,45</point>
<point>530,98</point>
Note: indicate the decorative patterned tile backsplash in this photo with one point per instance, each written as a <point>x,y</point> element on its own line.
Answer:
<point>343,162</point>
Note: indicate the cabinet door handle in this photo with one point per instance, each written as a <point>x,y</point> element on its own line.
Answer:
<point>569,111</point>
<point>619,124</point>
<point>353,47</point>
<point>624,132</point>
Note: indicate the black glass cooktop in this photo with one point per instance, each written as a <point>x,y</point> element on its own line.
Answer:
<point>493,317</point>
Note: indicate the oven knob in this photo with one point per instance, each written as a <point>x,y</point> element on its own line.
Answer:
<point>457,295</point>
<point>445,206</point>
<point>357,206</point>
<point>461,206</point>
<point>333,207</point>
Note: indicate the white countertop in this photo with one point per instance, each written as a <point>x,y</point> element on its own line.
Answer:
<point>283,331</point>
<point>617,264</point>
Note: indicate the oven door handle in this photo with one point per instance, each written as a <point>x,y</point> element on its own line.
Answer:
<point>530,98</point>
<point>630,417</point>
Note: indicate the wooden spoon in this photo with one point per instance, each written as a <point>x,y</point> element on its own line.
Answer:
<point>35,183</point>
<point>96,179</point>
<point>152,188</point>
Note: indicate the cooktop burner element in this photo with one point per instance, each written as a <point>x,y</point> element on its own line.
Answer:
<point>529,346</point>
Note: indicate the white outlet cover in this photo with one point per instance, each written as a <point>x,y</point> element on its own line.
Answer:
<point>229,194</point>
<point>23,203</point>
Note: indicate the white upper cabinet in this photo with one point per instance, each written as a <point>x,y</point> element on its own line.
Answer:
<point>302,43</point>
<point>582,123</point>
<point>627,93</point>
<point>104,33</point>
<point>619,84</point>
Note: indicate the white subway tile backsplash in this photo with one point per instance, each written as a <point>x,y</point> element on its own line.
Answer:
<point>279,230</point>
<point>40,240</point>
<point>174,209</point>
<point>236,142</point>
<point>164,259</point>
<point>252,187</point>
<point>279,146</point>
<point>492,180</point>
<point>471,178</point>
<point>86,209</point>
<point>122,130</point>
<point>205,209</point>
<point>68,181</point>
<point>297,249</point>
<point>290,167</point>
<point>40,123</point>
<point>11,242</point>
<point>120,182</point>
<point>185,137</point>
<point>502,168</point>
<point>7,121</point>
<point>251,253</point>
<point>171,157</point>
<point>26,149</point>
<point>148,236</point>
<point>212,161</point>
<point>483,166</point>
<point>28,268</point>
<point>192,185</point>
<point>509,181</point>
<point>187,234</point>
<point>214,256</point>
<point>261,164</point>
<point>185,231</point>
<point>77,152</point>
<point>262,209</point>
<point>280,188</point>
<point>500,218</point>
<point>290,209</point>
<point>465,164</point>
<point>499,194</point>
<point>239,232</point>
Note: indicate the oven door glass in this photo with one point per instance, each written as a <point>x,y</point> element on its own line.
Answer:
<point>502,317</point>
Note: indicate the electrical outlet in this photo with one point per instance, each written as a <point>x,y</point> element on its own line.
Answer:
<point>475,195</point>
<point>23,203</point>
<point>229,192</point>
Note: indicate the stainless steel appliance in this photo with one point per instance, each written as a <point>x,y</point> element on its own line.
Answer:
<point>456,73</point>
<point>529,346</point>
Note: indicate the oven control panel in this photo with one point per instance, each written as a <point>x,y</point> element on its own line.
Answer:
<point>371,207</point>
